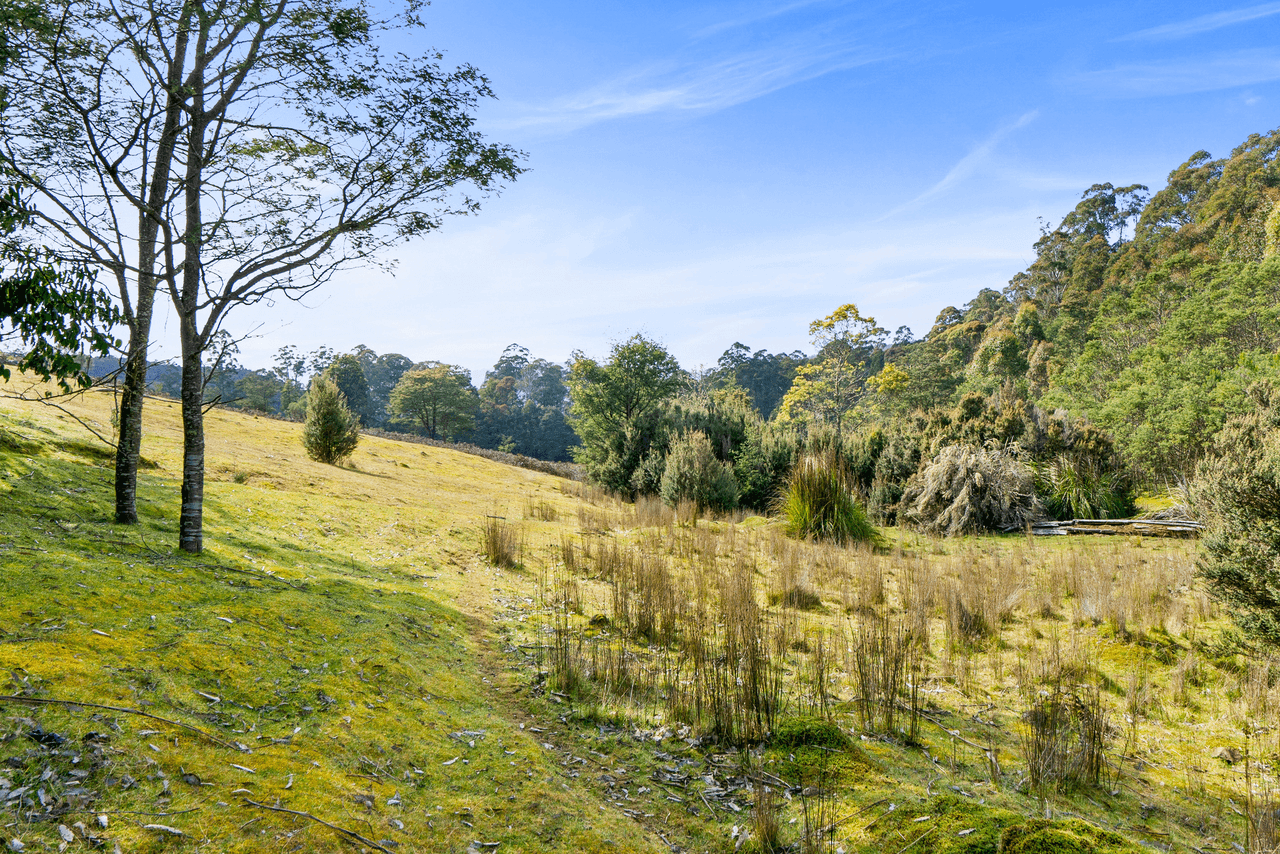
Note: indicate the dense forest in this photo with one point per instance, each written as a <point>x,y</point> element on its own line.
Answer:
<point>1108,365</point>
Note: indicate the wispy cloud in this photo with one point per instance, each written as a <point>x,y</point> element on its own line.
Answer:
<point>548,281</point>
<point>1183,76</point>
<point>968,164</point>
<point>1203,24</point>
<point>708,86</point>
<point>765,13</point>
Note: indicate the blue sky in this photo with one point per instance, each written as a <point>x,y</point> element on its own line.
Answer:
<point>712,172</point>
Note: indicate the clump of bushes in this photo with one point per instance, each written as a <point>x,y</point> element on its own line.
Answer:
<point>968,490</point>
<point>881,461</point>
<point>819,501</point>
<point>1236,492</point>
<point>693,473</point>
<point>331,432</point>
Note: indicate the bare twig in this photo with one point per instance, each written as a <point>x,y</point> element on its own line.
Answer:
<point>139,812</point>
<point>931,829</point>
<point>44,701</point>
<point>830,827</point>
<point>49,401</point>
<point>349,833</point>
<point>104,439</point>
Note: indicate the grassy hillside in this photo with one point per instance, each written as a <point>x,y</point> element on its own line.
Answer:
<point>343,668</point>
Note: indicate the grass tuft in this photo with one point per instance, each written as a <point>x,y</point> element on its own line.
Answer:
<point>818,502</point>
<point>501,542</point>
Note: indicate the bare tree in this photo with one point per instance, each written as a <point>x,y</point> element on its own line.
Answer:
<point>231,152</point>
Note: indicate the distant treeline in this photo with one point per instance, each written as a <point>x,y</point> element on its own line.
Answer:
<point>1116,356</point>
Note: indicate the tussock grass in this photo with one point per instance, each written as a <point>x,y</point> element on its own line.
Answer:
<point>1072,489</point>
<point>818,502</point>
<point>501,542</point>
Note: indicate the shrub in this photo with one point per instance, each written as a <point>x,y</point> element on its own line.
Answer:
<point>966,490</point>
<point>762,462</point>
<point>694,474</point>
<point>819,502</point>
<point>331,432</point>
<point>647,478</point>
<point>1237,492</point>
<point>882,463</point>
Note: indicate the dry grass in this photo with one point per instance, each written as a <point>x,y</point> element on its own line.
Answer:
<point>962,624</point>
<point>501,542</point>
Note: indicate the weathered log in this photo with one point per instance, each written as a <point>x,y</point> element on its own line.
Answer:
<point>1111,527</point>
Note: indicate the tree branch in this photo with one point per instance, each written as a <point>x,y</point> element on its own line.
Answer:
<point>350,834</point>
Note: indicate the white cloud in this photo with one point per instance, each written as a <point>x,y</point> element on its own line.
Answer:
<point>1182,76</point>
<point>764,13</point>
<point>703,86</point>
<point>1203,24</point>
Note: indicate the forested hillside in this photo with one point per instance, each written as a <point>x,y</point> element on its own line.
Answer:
<point>1106,367</point>
<point>1150,316</point>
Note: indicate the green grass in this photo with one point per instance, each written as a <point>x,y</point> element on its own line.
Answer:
<point>297,634</point>
<point>344,625</point>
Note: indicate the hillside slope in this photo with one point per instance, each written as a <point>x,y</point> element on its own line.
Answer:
<point>330,646</point>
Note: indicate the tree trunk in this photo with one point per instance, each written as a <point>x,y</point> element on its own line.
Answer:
<point>191,522</point>
<point>129,447</point>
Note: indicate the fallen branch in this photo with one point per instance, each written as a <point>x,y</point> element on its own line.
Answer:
<point>954,733</point>
<point>348,833</point>
<point>43,701</point>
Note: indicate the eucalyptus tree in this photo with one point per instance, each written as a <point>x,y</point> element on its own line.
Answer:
<point>234,152</point>
<point>830,386</point>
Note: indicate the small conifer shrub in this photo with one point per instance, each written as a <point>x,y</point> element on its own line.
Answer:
<point>1237,493</point>
<point>331,432</point>
<point>693,473</point>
